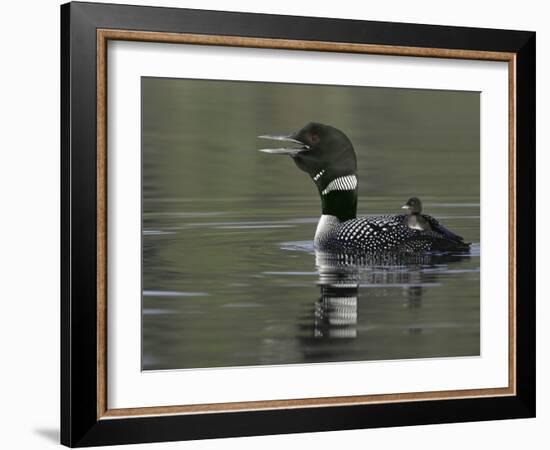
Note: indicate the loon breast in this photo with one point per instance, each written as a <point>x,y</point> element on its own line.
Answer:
<point>364,233</point>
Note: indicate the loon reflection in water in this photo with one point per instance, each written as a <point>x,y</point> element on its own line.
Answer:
<point>328,157</point>
<point>348,282</point>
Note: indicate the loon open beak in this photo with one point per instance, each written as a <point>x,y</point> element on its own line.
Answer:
<point>292,151</point>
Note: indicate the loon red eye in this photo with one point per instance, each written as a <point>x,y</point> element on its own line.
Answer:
<point>314,138</point>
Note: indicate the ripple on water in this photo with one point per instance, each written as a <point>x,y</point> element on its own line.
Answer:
<point>188,214</point>
<point>294,273</point>
<point>242,305</point>
<point>456,205</point>
<point>157,311</point>
<point>247,227</point>
<point>244,224</point>
<point>301,246</point>
<point>174,294</point>
<point>157,232</point>
<point>475,249</point>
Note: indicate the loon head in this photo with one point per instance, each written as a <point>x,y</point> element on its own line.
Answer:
<point>414,205</point>
<point>322,151</point>
<point>327,156</point>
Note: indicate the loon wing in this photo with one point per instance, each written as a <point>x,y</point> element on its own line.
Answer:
<point>434,242</point>
<point>440,229</point>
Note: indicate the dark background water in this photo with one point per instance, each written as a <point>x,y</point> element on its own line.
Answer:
<point>229,274</point>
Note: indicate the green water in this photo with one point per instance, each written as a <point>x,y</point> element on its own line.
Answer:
<point>229,274</point>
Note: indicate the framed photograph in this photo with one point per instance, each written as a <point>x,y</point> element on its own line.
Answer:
<point>276,224</point>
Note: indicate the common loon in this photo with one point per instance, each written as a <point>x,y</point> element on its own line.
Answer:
<point>328,157</point>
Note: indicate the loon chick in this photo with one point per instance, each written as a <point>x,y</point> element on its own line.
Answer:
<point>414,219</point>
<point>328,157</point>
<point>418,221</point>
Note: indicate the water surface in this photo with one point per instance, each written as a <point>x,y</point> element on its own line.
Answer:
<point>230,277</point>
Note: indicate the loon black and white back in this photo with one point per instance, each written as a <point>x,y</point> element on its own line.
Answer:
<point>328,157</point>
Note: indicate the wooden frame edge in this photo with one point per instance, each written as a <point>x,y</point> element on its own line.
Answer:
<point>101,223</point>
<point>103,35</point>
<point>512,200</point>
<point>212,408</point>
<point>290,44</point>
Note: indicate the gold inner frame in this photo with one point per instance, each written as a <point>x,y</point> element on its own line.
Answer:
<point>104,35</point>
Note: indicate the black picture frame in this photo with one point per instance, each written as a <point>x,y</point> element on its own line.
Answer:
<point>80,425</point>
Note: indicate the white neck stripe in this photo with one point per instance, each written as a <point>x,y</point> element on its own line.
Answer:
<point>346,183</point>
<point>319,175</point>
